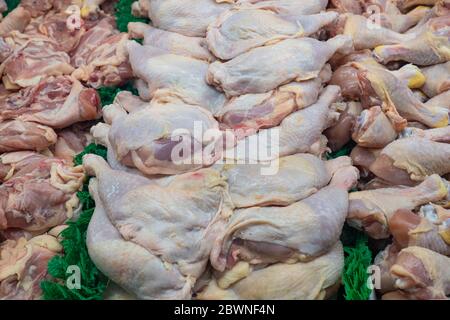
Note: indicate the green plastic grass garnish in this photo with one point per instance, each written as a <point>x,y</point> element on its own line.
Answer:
<point>12,4</point>
<point>93,282</point>
<point>358,258</point>
<point>124,16</point>
<point>344,151</point>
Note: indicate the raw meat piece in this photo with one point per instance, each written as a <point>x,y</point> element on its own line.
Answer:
<point>438,134</point>
<point>36,60</point>
<point>348,6</point>
<point>298,232</point>
<point>13,162</point>
<point>248,113</point>
<point>57,102</point>
<point>422,274</point>
<point>442,101</point>
<point>237,31</point>
<point>18,135</point>
<point>156,139</point>
<point>17,19</point>
<point>297,177</point>
<point>265,68</point>
<point>427,47</point>
<point>71,141</point>
<point>176,16</point>
<point>107,64</point>
<point>286,7</point>
<point>340,134</point>
<point>170,76</point>
<point>194,47</point>
<point>316,279</point>
<point>300,132</point>
<point>372,210</point>
<point>437,79</point>
<point>428,229</point>
<point>385,260</point>
<point>164,249</point>
<point>406,4</point>
<point>38,7</point>
<point>40,196</point>
<point>407,161</point>
<point>373,129</point>
<point>23,265</point>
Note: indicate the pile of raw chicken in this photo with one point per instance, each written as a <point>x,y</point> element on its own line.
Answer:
<point>317,75</point>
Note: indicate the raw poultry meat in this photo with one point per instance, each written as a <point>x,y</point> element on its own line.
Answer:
<point>18,19</point>
<point>427,229</point>
<point>18,135</point>
<point>286,7</point>
<point>422,273</point>
<point>410,160</point>
<point>265,68</point>
<point>23,265</point>
<point>298,232</point>
<point>237,31</point>
<point>71,141</point>
<point>437,79</point>
<point>176,16</point>
<point>371,210</point>
<point>36,60</point>
<point>315,279</point>
<point>406,4</point>
<point>297,177</point>
<point>441,100</point>
<point>168,268</point>
<point>41,195</point>
<point>248,113</point>
<point>169,76</point>
<point>13,162</point>
<point>57,102</point>
<point>299,132</point>
<point>194,47</point>
<point>166,139</point>
<point>437,134</point>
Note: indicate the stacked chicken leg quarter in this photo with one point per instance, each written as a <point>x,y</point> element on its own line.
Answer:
<point>218,183</point>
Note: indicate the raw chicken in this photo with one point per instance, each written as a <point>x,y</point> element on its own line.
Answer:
<point>297,177</point>
<point>18,163</point>
<point>437,134</point>
<point>169,76</point>
<point>188,19</point>
<point>286,7</point>
<point>437,79</point>
<point>23,265</point>
<point>316,279</point>
<point>238,31</point>
<point>18,135</point>
<point>265,68</point>
<point>300,132</point>
<point>38,7</point>
<point>57,102</point>
<point>194,47</point>
<point>407,161</point>
<point>428,229</point>
<point>373,129</point>
<point>406,4</point>
<point>422,274</point>
<point>163,249</point>
<point>385,260</point>
<point>298,232</point>
<point>441,101</point>
<point>372,210</point>
<point>36,60</point>
<point>41,195</point>
<point>71,141</point>
<point>248,113</point>
<point>166,139</point>
<point>17,19</point>
<point>436,38</point>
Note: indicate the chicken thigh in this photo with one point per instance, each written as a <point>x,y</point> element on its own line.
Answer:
<point>18,135</point>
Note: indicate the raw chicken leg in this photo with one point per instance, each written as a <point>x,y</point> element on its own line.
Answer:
<point>428,229</point>
<point>190,19</point>
<point>316,279</point>
<point>170,76</point>
<point>426,48</point>
<point>265,68</point>
<point>372,210</point>
<point>248,113</point>
<point>286,7</point>
<point>18,135</point>
<point>422,274</point>
<point>297,177</point>
<point>238,31</point>
<point>438,134</point>
<point>169,230</point>
<point>194,47</point>
<point>301,231</point>
<point>57,102</point>
<point>407,161</point>
<point>441,101</point>
<point>437,79</point>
